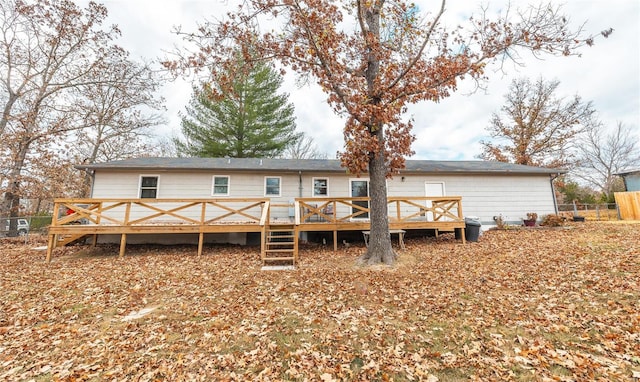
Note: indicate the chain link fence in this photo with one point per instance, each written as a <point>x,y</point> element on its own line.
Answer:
<point>24,226</point>
<point>595,211</point>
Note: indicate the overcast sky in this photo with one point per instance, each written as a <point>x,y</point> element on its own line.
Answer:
<point>608,74</point>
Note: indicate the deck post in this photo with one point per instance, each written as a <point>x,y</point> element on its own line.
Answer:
<point>123,239</point>
<point>200,240</point>
<point>203,215</point>
<point>123,244</point>
<point>335,241</point>
<point>296,241</point>
<point>50,244</point>
<point>53,239</point>
<point>263,239</point>
<point>98,219</point>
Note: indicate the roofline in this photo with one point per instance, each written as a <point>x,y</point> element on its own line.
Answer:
<point>333,166</point>
<point>628,172</point>
<point>267,170</point>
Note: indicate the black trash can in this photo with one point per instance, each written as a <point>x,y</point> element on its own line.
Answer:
<point>472,229</point>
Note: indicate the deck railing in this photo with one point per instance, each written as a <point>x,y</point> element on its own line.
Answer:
<point>136,212</point>
<point>399,208</point>
<point>74,219</point>
<point>133,212</point>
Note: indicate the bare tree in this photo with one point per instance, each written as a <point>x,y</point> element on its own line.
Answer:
<point>53,177</point>
<point>304,148</point>
<point>117,111</point>
<point>164,147</point>
<point>48,49</point>
<point>535,127</point>
<point>602,156</point>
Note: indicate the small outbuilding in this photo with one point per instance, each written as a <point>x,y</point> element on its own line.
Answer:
<point>631,180</point>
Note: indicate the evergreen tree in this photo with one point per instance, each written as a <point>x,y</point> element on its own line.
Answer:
<point>251,120</point>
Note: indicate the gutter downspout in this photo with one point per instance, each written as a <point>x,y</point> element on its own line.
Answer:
<point>553,191</point>
<point>92,175</point>
<point>93,183</point>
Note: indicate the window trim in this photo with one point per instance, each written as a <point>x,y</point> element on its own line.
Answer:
<point>313,187</point>
<point>213,185</point>
<point>157,188</point>
<point>279,187</point>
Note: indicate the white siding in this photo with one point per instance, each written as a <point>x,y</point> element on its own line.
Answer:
<point>116,185</point>
<point>485,196</point>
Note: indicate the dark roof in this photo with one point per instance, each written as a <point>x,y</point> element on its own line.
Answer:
<point>629,172</point>
<point>307,165</point>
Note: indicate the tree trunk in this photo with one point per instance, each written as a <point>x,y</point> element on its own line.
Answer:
<point>380,250</point>
<point>6,113</point>
<point>11,203</point>
<point>11,200</point>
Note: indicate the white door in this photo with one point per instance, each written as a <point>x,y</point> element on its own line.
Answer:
<point>433,189</point>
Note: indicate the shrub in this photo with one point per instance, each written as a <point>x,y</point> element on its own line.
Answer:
<point>552,220</point>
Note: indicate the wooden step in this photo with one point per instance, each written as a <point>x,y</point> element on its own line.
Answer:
<point>279,250</point>
<point>290,258</point>
<point>68,239</point>
<point>280,244</point>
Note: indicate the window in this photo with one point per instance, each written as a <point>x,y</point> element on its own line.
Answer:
<point>320,187</point>
<point>149,187</point>
<point>272,186</point>
<point>220,185</point>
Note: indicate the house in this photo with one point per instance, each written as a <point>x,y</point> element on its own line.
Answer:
<point>488,189</point>
<point>629,202</point>
<point>631,180</point>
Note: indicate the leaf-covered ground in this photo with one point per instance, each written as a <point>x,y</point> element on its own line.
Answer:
<point>529,304</point>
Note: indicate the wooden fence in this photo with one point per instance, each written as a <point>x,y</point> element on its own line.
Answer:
<point>628,205</point>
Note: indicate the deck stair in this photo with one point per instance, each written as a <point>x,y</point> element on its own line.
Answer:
<point>68,239</point>
<point>281,245</point>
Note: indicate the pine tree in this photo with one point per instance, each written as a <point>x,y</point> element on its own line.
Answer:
<point>250,121</point>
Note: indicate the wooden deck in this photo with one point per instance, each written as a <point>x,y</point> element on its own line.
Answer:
<point>76,219</point>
